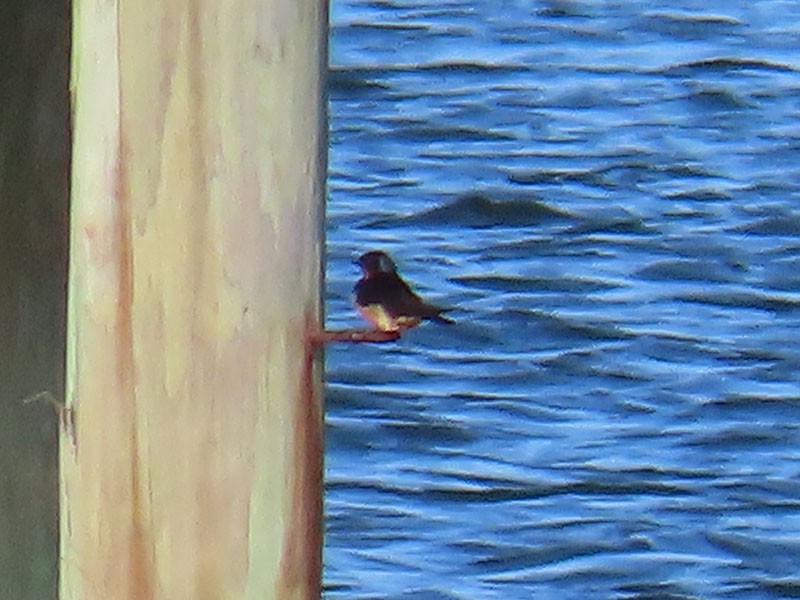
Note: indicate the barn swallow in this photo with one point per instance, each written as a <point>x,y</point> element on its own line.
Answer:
<point>385,300</point>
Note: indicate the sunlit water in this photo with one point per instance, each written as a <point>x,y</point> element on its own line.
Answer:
<point>607,195</point>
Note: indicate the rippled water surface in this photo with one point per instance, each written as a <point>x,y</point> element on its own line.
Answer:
<point>607,195</point>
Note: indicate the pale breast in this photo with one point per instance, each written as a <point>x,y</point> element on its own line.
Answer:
<point>383,321</point>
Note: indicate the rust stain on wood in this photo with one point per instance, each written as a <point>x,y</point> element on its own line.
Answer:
<point>141,584</point>
<point>301,564</point>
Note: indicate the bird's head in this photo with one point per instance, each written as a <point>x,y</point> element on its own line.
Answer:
<point>376,262</point>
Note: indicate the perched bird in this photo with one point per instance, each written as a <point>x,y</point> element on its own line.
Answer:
<point>385,300</point>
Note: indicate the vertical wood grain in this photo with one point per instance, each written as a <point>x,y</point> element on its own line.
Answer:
<point>196,243</point>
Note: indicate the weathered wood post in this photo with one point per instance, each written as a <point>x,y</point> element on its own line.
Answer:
<point>191,447</point>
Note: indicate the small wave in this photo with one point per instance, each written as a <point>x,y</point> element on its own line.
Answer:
<point>472,67</point>
<point>566,328</point>
<point>333,587</point>
<point>753,300</point>
<point>782,587</point>
<point>757,551</point>
<point>427,132</point>
<point>590,177</point>
<point>612,176</point>
<point>693,18</point>
<point>724,65</point>
<point>736,438</point>
<point>359,27</point>
<point>500,491</point>
<point>688,26</point>
<point>583,363</point>
<point>429,594</point>
<point>782,225</point>
<point>684,270</point>
<point>718,99</point>
<point>560,9</point>
<point>526,558</point>
<point>347,80</point>
<point>426,432</point>
<point>700,195</point>
<point>478,210</point>
<point>686,170</point>
<point>587,98</point>
<point>384,71</point>
<point>516,283</point>
<point>600,225</point>
<point>757,402</point>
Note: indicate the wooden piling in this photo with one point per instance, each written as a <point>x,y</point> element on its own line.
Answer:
<point>191,451</point>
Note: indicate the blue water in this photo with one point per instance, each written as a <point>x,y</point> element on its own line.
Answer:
<point>607,195</point>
